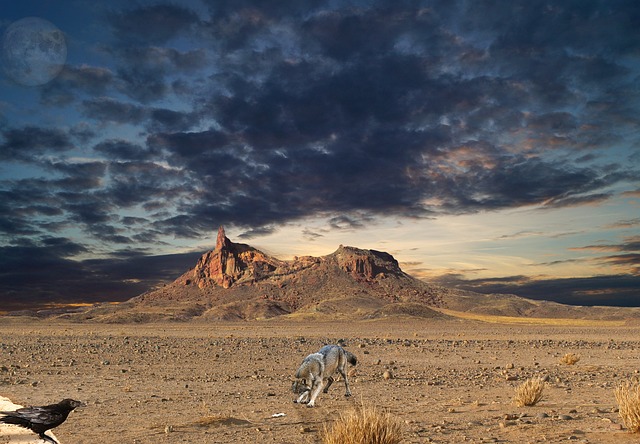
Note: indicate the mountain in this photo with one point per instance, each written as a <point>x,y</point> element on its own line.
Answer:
<point>238,282</point>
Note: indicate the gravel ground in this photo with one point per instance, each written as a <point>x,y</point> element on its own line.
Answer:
<point>445,381</point>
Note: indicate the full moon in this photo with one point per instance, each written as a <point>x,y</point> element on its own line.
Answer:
<point>34,51</point>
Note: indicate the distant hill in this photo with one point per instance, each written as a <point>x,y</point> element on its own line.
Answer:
<point>238,282</point>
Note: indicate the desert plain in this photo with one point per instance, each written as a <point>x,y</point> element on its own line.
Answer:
<point>449,380</point>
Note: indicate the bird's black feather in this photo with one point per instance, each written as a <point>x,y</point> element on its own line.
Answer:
<point>40,419</point>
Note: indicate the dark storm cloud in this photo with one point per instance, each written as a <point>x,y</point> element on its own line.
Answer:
<point>34,205</point>
<point>23,144</point>
<point>377,107</point>
<point>516,181</point>
<point>311,235</point>
<point>82,133</point>
<point>106,109</point>
<point>123,150</point>
<point>88,195</point>
<point>381,100</point>
<point>164,60</point>
<point>38,273</point>
<point>143,85</point>
<point>189,146</point>
<point>344,222</point>
<point>320,128</point>
<point>613,290</point>
<point>626,254</point>
<point>143,64</point>
<point>138,182</point>
<point>93,170</point>
<point>263,112</point>
<point>74,80</point>
<point>257,232</point>
<point>90,212</point>
<point>142,267</point>
<point>312,100</point>
<point>154,24</point>
<point>162,119</point>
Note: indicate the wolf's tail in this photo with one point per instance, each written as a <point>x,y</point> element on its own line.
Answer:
<point>351,358</point>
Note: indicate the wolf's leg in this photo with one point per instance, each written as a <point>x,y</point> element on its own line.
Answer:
<point>303,398</point>
<point>315,391</point>
<point>346,381</point>
<point>330,381</point>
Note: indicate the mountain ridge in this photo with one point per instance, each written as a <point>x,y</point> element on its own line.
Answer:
<point>235,281</point>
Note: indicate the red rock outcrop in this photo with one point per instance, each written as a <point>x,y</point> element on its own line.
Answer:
<point>237,281</point>
<point>366,265</point>
<point>230,263</point>
<point>234,264</point>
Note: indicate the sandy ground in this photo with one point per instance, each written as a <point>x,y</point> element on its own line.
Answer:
<point>452,382</point>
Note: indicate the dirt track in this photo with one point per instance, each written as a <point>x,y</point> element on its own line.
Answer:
<point>223,383</point>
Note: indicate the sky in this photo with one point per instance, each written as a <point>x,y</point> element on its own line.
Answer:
<point>488,145</point>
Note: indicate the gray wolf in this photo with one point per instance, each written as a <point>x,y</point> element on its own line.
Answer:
<point>41,419</point>
<point>318,369</point>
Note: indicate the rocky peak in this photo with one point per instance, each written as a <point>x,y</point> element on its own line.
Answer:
<point>233,264</point>
<point>230,263</point>
<point>221,241</point>
<point>366,264</point>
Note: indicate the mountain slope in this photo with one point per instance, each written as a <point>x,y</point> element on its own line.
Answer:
<point>238,282</point>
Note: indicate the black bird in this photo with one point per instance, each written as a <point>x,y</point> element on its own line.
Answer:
<point>41,419</point>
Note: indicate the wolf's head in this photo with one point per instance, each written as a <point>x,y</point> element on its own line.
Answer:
<point>300,386</point>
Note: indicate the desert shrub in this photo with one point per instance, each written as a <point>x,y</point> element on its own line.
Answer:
<point>366,425</point>
<point>529,392</point>
<point>570,359</point>
<point>628,397</point>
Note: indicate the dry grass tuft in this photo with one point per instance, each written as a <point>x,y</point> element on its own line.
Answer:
<point>211,420</point>
<point>628,397</point>
<point>529,392</point>
<point>570,359</point>
<point>208,418</point>
<point>219,420</point>
<point>365,425</point>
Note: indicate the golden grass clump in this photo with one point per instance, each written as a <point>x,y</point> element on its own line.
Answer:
<point>219,420</point>
<point>365,425</point>
<point>628,397</point>
<point>211,420</point>
<point>570,359</point>
<point>529,392</point>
